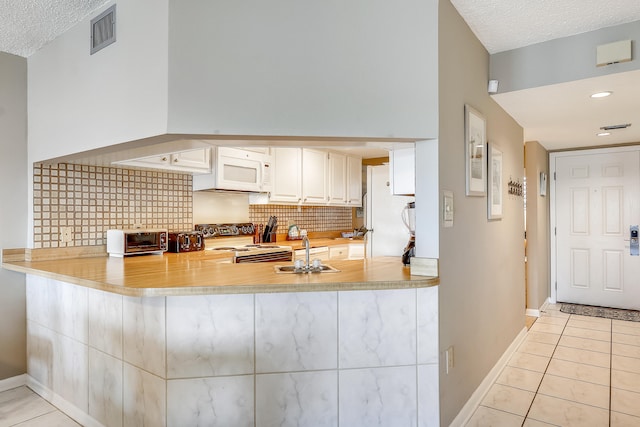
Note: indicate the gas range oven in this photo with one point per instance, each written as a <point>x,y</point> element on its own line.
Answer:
<point>238,239</point>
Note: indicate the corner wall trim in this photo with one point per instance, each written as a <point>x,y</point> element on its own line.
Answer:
<point>544,306</point>
<point>536,313</point>
<point>532,312</point>
<point>474,401</point>
<point>13,382</point>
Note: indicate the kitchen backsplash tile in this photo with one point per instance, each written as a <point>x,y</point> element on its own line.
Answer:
<point>310,218</point>
<point>93,199</point>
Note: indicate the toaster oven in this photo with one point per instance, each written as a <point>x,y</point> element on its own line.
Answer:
<point>122,243</point>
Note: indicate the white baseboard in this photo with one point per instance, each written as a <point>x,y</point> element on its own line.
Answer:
<point>474,401</point>
<point>13,382</point>
<point>536,312</point>
<point>546,303</point>
<point>62,404</point>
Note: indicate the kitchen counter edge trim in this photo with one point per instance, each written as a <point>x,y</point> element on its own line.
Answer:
<point>423,282</point>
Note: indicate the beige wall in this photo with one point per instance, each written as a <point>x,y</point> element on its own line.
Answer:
<point>537,161</point>
<point>481,262</point>
<point>13,211</point>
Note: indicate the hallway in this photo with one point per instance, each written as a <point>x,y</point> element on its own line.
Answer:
<point>569,371</point>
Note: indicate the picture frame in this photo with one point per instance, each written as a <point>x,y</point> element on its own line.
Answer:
<point>495,182</point>
<point>475,137</point>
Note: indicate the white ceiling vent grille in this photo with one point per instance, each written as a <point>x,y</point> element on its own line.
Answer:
<point>103,29</point>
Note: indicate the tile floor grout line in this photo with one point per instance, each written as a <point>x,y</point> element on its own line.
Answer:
<point>545,372</point>
<point>611,374</point>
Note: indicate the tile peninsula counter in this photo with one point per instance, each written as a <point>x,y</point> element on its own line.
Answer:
<point>185,340</point>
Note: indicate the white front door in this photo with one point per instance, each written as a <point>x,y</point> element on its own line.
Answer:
<point>597,199</point>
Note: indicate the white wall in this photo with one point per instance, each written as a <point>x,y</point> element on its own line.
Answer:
<point>562,60</point>
<point>427,200</point>
<point>13,211</point>
<point>214,208</point>
<point>79,101</point>
<point>285,67</point>
<point>238,68</point>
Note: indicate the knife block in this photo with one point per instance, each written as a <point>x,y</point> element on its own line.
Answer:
<point>271,236</point>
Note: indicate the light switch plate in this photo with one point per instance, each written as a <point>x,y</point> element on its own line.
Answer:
<point>447,208</point>
<point>448,354</point>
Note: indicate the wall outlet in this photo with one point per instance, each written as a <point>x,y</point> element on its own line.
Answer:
<point>448,355</point>
<point>66,234</point>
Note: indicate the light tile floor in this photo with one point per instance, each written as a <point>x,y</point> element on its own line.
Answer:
<point>570,371</point>
<point>23,408</point>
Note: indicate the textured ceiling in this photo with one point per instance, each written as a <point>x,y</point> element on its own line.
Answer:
<point>509,24</point>
<point>27,25</point>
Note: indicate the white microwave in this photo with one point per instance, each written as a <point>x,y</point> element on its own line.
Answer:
<point>237,169</point>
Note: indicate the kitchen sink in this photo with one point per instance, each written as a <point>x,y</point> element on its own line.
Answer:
<point>291,269</point>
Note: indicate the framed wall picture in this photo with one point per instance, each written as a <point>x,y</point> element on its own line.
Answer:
<point>494,188</point>
<point>475,136</point>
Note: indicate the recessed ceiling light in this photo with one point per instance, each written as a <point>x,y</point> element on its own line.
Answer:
<point>601,94</point>
<point>604,134</point>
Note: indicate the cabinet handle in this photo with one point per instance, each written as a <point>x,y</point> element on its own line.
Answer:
<point>164,159</point>
<point>175,160</point>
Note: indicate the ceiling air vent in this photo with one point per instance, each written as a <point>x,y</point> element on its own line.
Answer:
<point>614,127</point>
<point>103,29</point>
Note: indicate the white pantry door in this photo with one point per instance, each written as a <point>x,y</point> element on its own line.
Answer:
<point>597,199</point>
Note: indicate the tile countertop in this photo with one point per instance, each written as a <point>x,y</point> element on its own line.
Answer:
<point>202,273</point>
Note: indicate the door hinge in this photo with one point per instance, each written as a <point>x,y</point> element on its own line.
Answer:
<point>554,176</point>
<point>555,231</point>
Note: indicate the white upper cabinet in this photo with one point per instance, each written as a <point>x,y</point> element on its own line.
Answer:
<point>309,176</point>
<point>337,178</point>
<point>354,181</point>
<point>194,161</point>
<point>402,171</point>
<point>287,175</point>
<point>314,176</point>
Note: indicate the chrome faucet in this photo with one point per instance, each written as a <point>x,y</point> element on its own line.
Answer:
<point>307,248</point>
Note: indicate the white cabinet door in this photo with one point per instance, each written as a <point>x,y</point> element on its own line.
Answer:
<point>193,159</point>
<point>339,252</point>
<point>402,174</point>
<point>354,181</point>
<point>350,251</point>
<point>337,179</point>
<point>314,176</point>
<point>286,175</point>
<point>196,161</point>
<point>596,201</point>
